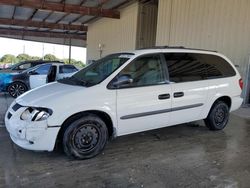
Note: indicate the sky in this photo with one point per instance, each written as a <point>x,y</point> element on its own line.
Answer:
<point>15,47</point>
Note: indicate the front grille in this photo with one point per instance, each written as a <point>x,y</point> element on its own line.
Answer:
<point>16,107</point>
<point>9,115</point>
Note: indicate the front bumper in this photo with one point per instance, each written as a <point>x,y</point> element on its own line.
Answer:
<point>31,135</point>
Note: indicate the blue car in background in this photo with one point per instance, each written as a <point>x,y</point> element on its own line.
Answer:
<point>18,83</point>
<point>19,67</point>
<point>5,80</point>
<point>7,74</point>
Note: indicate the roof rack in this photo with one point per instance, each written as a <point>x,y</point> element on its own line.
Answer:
<point>176,47</point>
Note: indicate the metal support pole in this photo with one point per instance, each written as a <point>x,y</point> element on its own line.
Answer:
<point>43,52</point>
<point>246,90</point>
<point>69,50</point>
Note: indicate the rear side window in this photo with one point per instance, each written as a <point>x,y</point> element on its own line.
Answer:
<point>185,67</point>
<point>67,69</point>
<point>217,67</point>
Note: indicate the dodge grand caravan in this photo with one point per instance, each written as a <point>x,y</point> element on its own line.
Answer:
<point>125,93</point>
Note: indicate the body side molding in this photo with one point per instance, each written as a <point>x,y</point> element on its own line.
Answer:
<point>160,111</point>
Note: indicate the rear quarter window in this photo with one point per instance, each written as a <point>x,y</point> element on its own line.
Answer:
<point>185,67</point>
<point>217,67</point>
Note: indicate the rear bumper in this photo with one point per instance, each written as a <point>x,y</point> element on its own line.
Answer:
<point>30,135</point>
<point>236,103</point>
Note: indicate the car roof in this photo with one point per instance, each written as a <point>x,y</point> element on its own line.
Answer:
<point>162,49</point>
<point>53,63</point>
<point>40,62</point>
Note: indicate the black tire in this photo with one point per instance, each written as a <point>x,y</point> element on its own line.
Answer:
<point>218,116</point>
<point>85,137</point>
<point>16,89</point>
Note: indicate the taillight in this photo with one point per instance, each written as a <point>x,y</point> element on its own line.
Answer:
<point>241,83</point>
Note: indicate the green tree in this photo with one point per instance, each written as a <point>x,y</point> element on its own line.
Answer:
<point>79,64</point>
<point>35,58</point>
<point>8,58</point>
<point>50,57</point>
<point>23,57</point>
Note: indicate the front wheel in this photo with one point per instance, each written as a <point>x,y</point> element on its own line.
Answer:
<point>218,116</point>
<point>85,137</point>
<point>16,89</point>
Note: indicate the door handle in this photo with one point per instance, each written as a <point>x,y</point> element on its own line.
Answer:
<point>178,94</point>
<point>164,96</point>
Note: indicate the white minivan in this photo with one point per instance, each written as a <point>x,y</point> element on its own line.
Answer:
<point>125,93</point>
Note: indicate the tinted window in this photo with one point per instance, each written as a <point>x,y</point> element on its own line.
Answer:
<point>184,67</point>
<point>217,67</point>
<point>23,66</point>
<point>43,69</point>
<point>144,71</point>
<point>67,69</point>
<point>33,64</point>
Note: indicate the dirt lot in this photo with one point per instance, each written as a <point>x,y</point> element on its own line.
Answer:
<point>181,156</point>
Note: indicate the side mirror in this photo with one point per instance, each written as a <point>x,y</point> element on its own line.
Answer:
<point>122,80</point>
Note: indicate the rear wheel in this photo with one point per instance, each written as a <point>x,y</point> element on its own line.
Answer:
<point>85,137</point>
<point>218,116</point>
<point>16,89</point>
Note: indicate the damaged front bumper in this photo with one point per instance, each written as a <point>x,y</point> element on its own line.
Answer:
<point>31,135</point>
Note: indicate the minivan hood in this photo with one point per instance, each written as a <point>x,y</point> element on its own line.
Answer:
<point>47,95</point>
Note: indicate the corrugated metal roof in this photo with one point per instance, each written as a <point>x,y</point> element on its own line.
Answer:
<point>111,4</point>
<point>22,13</point>
<point>37,15</point>
<point>73,2</point>
<point>90,3</point>
<point>84,19</point>
<point>6,11</point>
<point>69,18</point>
<point>40,15</point>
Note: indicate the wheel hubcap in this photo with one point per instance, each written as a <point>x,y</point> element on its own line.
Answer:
<point>16,90</point>
<point>86,137</point>
<point>220,116</point>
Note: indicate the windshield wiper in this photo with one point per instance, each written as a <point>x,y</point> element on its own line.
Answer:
<point>83,82</point>
<point>73,81</point>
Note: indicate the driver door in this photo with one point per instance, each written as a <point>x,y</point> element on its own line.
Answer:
<point>38,76</point>
<point>145,103</point>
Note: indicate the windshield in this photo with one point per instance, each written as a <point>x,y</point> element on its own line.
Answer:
<point>98,71</point>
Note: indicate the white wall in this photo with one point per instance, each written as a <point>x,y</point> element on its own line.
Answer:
<point>115,34</point>
<point>147,23</point>
<point>222,25</point>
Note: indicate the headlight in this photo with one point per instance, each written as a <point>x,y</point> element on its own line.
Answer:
<point>36,114</point>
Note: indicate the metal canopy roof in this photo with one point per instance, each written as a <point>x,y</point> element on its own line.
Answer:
<point>56,21</point>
